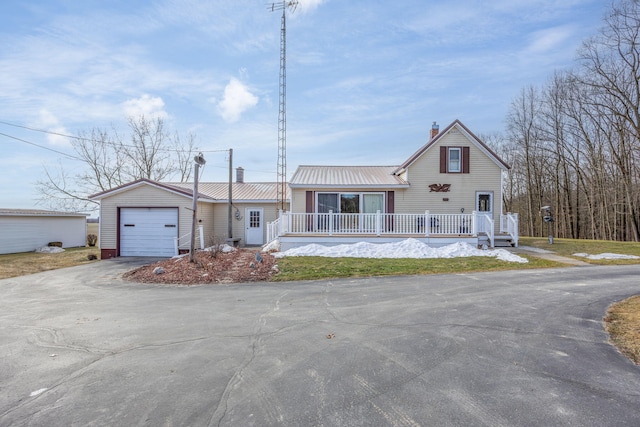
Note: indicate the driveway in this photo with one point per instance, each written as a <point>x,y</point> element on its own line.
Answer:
<point>82,347</point>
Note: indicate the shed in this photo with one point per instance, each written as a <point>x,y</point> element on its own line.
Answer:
<point>25,230</point>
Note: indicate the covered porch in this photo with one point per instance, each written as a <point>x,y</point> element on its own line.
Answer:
<point>435,229</point>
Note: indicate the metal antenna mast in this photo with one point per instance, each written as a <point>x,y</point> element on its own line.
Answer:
<point>281,184</point>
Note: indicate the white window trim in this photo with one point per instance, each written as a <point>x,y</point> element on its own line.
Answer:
<point>491,200</point>
<point>449,168</point>
<point>359,193</point>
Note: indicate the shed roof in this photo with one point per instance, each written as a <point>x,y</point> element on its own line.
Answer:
<point>37,212</point>
<point>346,176</point>
<point>241,191</point>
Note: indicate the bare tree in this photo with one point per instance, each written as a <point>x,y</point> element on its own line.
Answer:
<point>107,161</point>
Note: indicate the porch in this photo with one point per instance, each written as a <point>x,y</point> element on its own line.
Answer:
<point>476,228</point>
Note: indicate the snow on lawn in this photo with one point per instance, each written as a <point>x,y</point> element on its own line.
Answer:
<point>606,255</point>
<point>410,248</point>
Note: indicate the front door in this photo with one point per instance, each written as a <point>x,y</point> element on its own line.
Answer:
<point>484,206</point>
<point>254,226</point>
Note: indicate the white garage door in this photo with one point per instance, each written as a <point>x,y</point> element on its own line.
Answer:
<point>148,231</point>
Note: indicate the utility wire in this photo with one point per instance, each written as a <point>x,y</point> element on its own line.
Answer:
<point>90,139</point>
<point>41,146</point>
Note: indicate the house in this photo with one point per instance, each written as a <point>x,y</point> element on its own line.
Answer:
<point>449,190</point>
<point>149,218</point>
<point>25,230</point>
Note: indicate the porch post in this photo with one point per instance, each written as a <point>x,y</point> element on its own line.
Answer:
<point>330,223</point>
<point>378,223</point>
<point>427,224</point>
<point>474,217</point>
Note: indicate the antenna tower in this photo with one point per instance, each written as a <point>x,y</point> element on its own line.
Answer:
<point>281,184</point>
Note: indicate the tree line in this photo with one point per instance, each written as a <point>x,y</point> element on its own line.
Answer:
<point>574,143</point>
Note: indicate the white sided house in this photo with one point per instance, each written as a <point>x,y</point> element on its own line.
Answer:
<point>149,218</point>
<point>25,230</point>
<point>450,190</point>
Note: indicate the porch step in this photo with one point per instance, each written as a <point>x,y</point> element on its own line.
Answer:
<point>503,241</point>
<point>500,240</point>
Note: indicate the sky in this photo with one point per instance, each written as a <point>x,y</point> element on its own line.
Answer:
<point>365,78</point>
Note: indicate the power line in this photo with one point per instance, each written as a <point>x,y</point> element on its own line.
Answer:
<point>41,146</point>
<point>91,139</point>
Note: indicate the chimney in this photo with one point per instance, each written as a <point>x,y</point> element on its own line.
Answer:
<point>239,175</point>
<point>435,129</point>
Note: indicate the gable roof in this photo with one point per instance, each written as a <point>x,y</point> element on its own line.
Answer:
<point>346,176</point>
<point>456,124</point>
<point>185,192</point>
<point>211,192</point>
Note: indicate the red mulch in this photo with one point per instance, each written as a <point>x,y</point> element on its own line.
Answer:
<point>238,266</point>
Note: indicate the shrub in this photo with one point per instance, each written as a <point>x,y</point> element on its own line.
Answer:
<point>92,239</point>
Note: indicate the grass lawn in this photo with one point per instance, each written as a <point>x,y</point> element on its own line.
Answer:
<point>568,247</point>
<point>12,265</point>
<point>313,268</point>
<point>623,324</point>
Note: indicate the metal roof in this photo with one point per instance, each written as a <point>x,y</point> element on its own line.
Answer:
<point>346,176</point>
<point>37,212</point>
<point>241,191</point>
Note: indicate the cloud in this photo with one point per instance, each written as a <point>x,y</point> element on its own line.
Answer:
<point>51,123</point>
<point>236,100</point>
<point>309,5</point>
<point>549,39</point>
<point>146,105</point>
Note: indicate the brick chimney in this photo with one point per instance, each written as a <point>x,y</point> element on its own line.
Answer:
<point>435,129</point>
<point>239,175</point>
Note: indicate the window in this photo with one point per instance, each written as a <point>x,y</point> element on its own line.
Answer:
<point>484,201</point>
<point>350,202</point>
<point>454,159</point>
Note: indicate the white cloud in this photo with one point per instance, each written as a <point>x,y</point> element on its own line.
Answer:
<point>236,100</point>
<point>309,5</point>
<point>146,105</point>
<point>51,123</point>
<point>549,39</point>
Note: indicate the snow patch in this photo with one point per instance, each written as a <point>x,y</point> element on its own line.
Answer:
<point>606,255</point>
<point>49,250</point>
<point>410,248</point>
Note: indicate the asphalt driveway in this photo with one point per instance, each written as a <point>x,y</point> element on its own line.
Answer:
<point>82,347</point>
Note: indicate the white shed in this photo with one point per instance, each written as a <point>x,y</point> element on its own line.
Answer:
<point>25,230</point>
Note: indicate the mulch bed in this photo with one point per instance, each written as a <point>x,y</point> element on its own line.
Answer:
<point>239,266</point>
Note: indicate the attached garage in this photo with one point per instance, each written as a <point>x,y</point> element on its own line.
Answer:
<point>148,231</point>
<point>144,217</point>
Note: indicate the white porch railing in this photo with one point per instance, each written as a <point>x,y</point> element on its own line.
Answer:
<point>184,242</point>
<point>378,224</point>
<point>509,225</point>
<point>486,225</point>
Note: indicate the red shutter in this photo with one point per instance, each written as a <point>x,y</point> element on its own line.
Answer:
<point>443,159</point>
<point>390,209</point>
<point>465,159</point>
<point>310,209</point>
<point>390,202</point>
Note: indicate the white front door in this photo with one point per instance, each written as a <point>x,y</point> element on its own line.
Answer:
<point>484,206</point>
<point>254,228</point>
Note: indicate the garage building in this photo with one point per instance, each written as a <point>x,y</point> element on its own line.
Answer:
<point>25,230</point>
